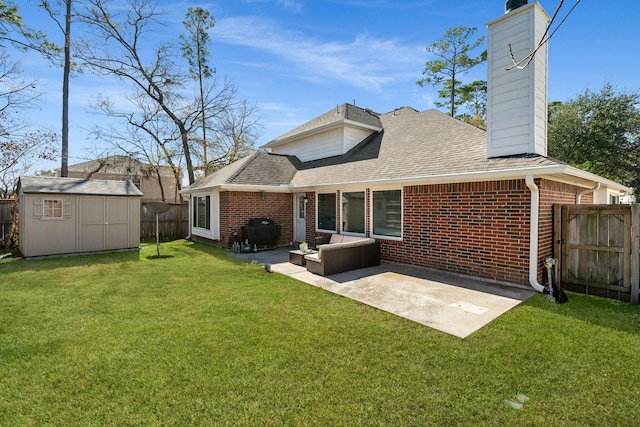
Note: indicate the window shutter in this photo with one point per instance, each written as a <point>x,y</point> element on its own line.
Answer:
<point>66,208</point>
<point>38,208</point>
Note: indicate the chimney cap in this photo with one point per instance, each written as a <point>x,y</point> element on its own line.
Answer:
<point>513,5</point>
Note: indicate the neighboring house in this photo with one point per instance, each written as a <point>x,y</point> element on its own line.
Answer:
<point>61,216</point>
<point>434,191</point>
<point>157,184</point>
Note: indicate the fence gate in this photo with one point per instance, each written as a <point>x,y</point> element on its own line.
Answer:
<point>597,249</point>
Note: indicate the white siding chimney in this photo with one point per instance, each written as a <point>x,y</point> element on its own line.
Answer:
<point>517,99</point>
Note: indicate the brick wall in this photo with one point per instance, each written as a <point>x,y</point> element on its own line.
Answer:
<point>478,229</point>
<point>310,215</point>
<point>238,207</point>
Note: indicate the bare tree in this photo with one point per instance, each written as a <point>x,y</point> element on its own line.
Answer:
<point>18,147</point>
<point>148,134</point>
<point>163,115</point>
<point>235,135</point>
<point>116,50</point>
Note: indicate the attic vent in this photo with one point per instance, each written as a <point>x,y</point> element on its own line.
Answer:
<point>513,5</point>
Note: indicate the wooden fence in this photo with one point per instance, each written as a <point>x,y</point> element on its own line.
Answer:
<point>172,224</point>
<point>598,249</point>
<point>6,219</point>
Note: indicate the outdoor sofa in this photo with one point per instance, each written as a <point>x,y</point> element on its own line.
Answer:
<point>343,253</point>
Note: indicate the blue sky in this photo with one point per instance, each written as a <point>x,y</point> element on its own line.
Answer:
<point>297,59</point>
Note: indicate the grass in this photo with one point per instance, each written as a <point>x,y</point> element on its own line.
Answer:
<point>199,338</point>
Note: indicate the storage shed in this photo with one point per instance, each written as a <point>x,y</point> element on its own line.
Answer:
<point>60,216</point>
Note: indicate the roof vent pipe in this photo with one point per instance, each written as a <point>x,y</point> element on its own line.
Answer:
<point>513,5</point>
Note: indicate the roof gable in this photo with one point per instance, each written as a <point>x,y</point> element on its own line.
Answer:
<point>336,116</point>
<point>333,133</point>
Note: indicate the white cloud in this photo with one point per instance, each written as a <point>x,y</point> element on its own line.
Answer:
<point>366,62</point>
<point>293,5</point>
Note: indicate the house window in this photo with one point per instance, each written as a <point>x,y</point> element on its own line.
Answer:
<point>137,181</point>
<point>202,212</point>
<point>52,209</point>
<point>353,209</point>
<point>327,212</point>
<point>387,213</point>
<point>614,199</point>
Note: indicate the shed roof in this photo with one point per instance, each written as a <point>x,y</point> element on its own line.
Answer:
<point>55,185</point>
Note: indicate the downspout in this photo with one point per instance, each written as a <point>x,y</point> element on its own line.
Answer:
<point>190,217</point>
<point>533,234</point>
<point>587,191</point>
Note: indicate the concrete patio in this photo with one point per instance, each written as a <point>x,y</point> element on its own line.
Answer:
<point>449,303</point>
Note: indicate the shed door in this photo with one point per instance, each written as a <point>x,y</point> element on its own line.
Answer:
<point>104,223</point>
<point>117,230</point>
<point>93,224</point>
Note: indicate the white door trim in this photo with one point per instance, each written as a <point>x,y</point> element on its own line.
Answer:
<point>299,217</point>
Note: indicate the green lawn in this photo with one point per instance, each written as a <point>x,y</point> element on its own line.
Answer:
<point>203,339</point>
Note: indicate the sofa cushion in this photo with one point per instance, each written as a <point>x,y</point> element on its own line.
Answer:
<point>359,241</point>
<point>336,238</point>
<point>353,244</point>
<point>328,247</point>
<point>313,257</point>
<point>346,239</point>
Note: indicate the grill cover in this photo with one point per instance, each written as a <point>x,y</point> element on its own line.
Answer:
<point>262,232</point>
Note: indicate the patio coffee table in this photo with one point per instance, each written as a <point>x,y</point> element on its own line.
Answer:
<point>297,257</point>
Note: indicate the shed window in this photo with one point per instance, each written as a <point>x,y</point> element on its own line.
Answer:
<point>202,212</point>
<point>327,211</point>
<point>52,209</point>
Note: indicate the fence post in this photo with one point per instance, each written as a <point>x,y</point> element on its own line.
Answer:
<point>635,252</point>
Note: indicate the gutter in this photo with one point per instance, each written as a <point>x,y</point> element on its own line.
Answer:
<point>284,188</point>
<point>484,175</point>
<point>587,191</point>
<point>533,234</point>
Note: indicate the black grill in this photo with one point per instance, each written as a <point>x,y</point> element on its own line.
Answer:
<point>262,232</point>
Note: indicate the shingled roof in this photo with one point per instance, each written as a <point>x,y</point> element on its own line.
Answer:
<point>53,185</point>
<point>341,114</point>
<point>257,169</point>
<point>414,145</point>
<point>411,147</point>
